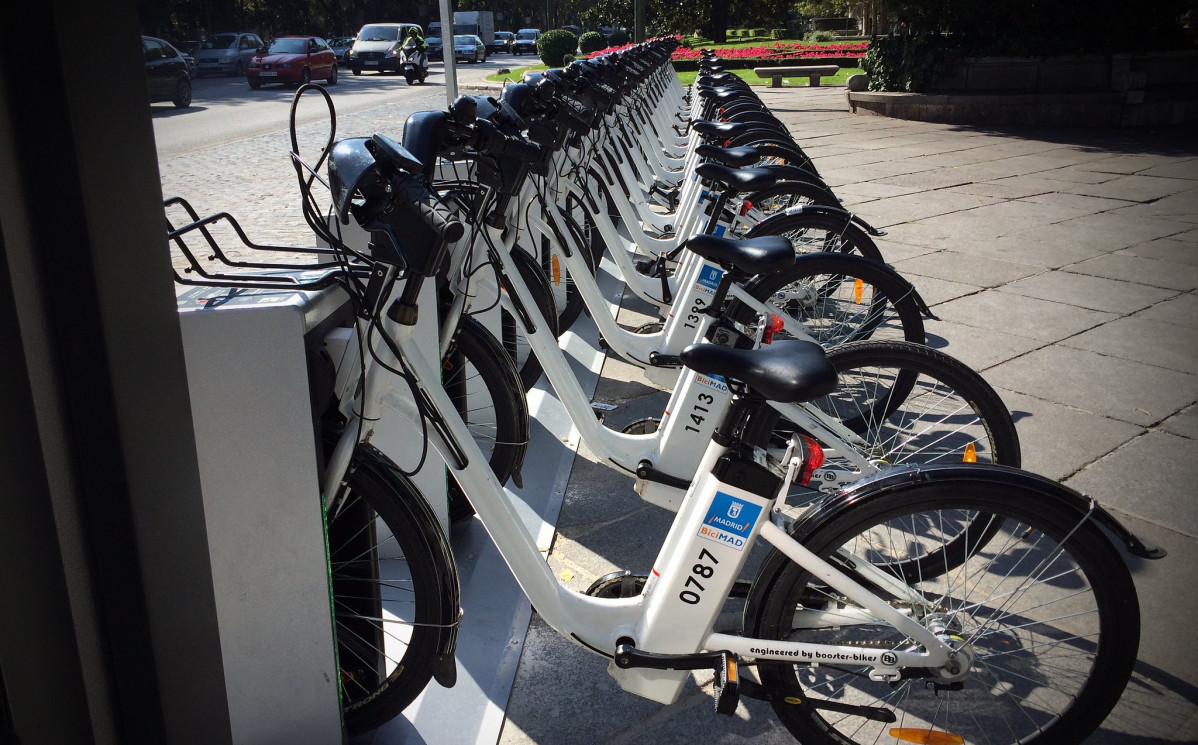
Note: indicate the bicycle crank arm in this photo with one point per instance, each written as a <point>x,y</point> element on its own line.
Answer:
<point>727,680</point>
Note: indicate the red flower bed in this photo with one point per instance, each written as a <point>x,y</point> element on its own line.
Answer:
<point>781,50</point>
<point>776,51</point>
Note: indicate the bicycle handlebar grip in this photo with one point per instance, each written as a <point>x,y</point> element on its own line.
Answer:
<point>432,211</point>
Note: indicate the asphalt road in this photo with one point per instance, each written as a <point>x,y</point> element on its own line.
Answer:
<point>226,110</point>
<point>231,150</point>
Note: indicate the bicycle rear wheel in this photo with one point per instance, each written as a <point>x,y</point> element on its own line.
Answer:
<point>818,231</point>
<point>1045,609</point>
<point>902,404</point>
<point>389,570</point>
<point>838,298</point>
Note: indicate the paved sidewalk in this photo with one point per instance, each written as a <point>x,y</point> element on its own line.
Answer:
<point>1063,265</point>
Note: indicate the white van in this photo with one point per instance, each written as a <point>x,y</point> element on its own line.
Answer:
<point>377,47</point>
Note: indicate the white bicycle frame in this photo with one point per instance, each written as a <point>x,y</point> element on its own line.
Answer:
<point>700,559</point>
<point>697,402</point>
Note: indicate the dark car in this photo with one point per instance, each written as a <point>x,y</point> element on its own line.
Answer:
<point>293,60</point>
<point>504,42</point>
<point>436,48</point>
<point>526,41</point>
<point>166,72</point>
<point>340,45</point>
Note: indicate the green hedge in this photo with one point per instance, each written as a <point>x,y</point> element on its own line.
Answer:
<point>554,45</point>
<point>591,41</point>
<point>909,62</point>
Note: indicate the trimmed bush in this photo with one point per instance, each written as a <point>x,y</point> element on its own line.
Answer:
<point>618,38</point>
<point>554,45</point>
<point>909,62</point>
<point>591,41</point>
<point>778,33</point>
<point>815,36</point>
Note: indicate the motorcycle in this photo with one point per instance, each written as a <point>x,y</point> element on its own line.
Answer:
<point>414,61</point>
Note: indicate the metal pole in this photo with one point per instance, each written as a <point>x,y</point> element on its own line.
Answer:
<point>638,23</point>
<point>447,54</point>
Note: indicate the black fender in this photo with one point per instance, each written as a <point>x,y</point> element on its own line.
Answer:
<point>902,477</point>
<point>410,498</point>
<point>848,259</point>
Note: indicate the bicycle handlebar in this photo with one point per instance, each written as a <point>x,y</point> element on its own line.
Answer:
<point>434,214</point>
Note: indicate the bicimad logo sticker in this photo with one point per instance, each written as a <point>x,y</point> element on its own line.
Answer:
<point>712,381</point>
<point>709,280</point>
<point>729,521</point>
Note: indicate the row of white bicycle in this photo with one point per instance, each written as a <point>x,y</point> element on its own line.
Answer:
<point>917,586</point>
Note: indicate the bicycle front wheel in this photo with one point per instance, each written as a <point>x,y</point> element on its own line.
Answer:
<point>1043,611</point>
<point>387,566</point>
<point>487,393</point>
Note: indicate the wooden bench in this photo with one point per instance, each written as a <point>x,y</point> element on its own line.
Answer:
<point>812,72</point>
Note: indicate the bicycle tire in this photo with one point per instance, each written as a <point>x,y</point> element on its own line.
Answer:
<point>911,405</point>
<point>819,231</point>
<point>776,200</point>
<point>514,342</point>
<point>839,298</point>
<point>774,150</point>
<point>486,391</point>
<point>388,564</point>
<point>569,300</point>
<point>1034,677</point>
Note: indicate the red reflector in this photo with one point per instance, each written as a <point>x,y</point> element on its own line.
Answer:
<point>744,208</point>
<point>772,326</point>
<point>813,459</point>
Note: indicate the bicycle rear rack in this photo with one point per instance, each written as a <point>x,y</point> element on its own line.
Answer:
<point>214,267</point>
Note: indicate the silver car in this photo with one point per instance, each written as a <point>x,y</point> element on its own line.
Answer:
<point>469,48</point>
<point>227,53</point>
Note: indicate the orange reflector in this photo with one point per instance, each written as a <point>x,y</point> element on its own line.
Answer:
<point>772,326</point>
<point>557,272</point>
<point>925,736</point>
<point>971,454</point>
<point>858,286</point>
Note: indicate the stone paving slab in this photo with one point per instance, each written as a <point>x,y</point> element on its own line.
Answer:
<point>962,267</point>
<point>1140,479</point>
<point>1137,338</point>
<point>1181,310</point>
<point>1183,423</point>
<point>1048,434</point>
<point>1133,269</point>
<point>981,351</point>
<point>1043,320</point>
<point>897,209</point>
<point>1122,389</point>
<point>1174,248</point>
<point>1087,291</point>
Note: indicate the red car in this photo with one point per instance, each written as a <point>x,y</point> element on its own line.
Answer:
<point>294,60</point>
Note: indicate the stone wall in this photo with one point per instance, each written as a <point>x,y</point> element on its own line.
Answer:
<point>1121,90</point>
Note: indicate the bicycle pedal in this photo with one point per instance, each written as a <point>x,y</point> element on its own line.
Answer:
<point>727,685</point>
